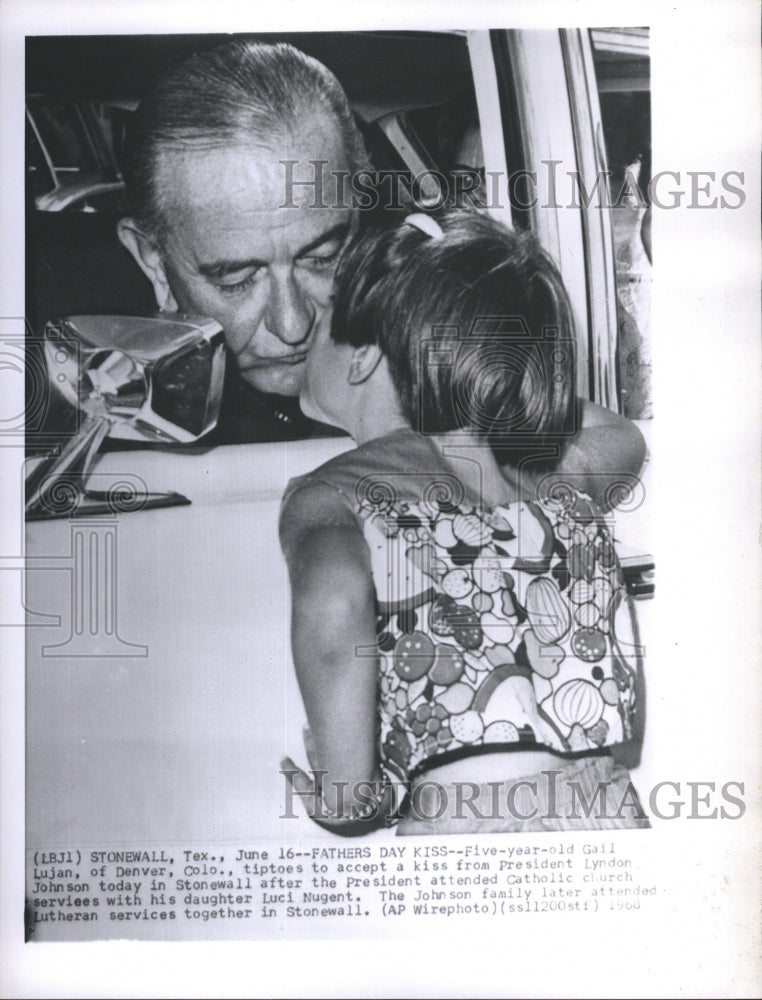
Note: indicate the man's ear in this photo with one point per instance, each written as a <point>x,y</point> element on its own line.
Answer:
<point>365,360</point>
<point>149,260</point>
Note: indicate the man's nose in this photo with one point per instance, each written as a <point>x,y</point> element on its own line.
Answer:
<point>290,313</point>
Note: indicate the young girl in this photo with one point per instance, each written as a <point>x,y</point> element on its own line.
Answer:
<point>460,626</point>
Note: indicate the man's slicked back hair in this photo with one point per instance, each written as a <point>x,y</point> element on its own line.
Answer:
<point>244,92</point>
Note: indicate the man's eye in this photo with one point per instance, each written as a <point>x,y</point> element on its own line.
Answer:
<point>320,262</point>
<point>238,286</point>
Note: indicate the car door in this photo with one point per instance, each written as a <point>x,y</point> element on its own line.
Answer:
<point>541,96</point>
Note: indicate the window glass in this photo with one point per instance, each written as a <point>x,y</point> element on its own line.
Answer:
<point>436,141</point>
<point>65,137</point>
<point>623,76</point>
<point>38,170</point>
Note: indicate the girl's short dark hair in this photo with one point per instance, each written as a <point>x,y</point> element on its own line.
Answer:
<point>476,326</point>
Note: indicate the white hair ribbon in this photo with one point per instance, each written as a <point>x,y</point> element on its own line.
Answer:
<point>426,224</point>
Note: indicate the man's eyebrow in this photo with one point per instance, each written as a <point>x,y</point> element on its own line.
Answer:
<point>223,268</point>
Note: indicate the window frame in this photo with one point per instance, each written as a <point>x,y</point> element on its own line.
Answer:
<point>551,124</point>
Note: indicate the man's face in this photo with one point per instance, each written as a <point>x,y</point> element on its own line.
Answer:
<point>264,272</point>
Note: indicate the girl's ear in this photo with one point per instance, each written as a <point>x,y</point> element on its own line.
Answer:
<point>365,360</point>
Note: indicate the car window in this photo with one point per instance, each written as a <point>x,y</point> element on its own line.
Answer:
<point>623,76</point>
<point>431,134</point>
<point>417,98</point>
<point>78,141</point>
<point>39,170</point>
<point>63,130</point>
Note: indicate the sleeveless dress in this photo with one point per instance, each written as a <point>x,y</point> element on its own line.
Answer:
<point>499,628</point>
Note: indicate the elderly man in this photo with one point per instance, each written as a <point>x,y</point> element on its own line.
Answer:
<point>206,190</point>
<point>218,233</point>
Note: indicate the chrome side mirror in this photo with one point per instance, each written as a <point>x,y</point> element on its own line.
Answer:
<point>155,379</point>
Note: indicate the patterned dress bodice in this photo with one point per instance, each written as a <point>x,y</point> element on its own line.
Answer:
<point>502,628</point>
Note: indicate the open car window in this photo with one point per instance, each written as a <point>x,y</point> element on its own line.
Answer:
<point>412,95</point>
<point>467,116</point>
<point>622,72</point>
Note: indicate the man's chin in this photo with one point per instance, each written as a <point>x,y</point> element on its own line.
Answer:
<point>281,381</point>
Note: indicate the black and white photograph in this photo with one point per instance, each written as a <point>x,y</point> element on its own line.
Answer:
<point>384,564</point>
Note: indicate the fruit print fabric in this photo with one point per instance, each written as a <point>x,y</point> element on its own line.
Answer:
<point>498,627</point>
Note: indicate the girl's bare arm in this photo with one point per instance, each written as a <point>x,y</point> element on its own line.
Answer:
<point>333,640</point>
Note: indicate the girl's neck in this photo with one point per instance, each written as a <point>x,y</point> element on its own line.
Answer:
<point>372,425</point>
<point>376,411</point>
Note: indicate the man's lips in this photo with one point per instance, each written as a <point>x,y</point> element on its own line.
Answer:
<point>288,359</point>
